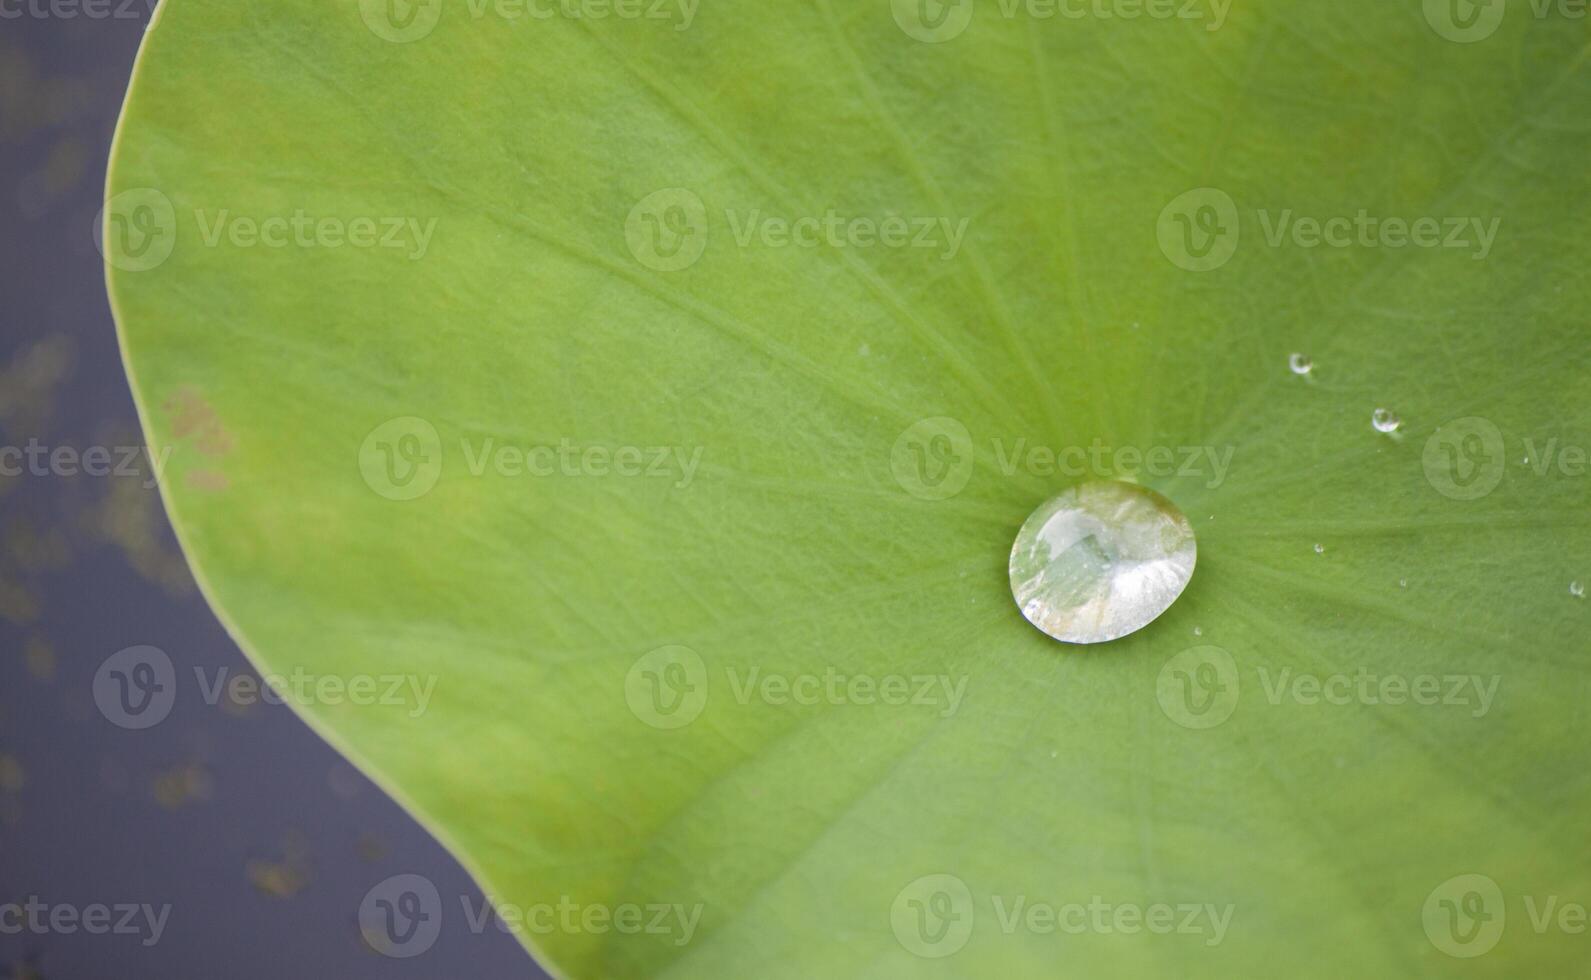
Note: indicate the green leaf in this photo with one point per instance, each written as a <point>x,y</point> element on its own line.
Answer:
<point>494,231</point>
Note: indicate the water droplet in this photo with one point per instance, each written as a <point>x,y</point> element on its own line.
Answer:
<point>1385,421</point>
<point>1300,364</point>
<point>1320,549</point>
<point>1100,561</point>
<point>1577,589</point>
<point>1403,583</point>
<point>1198,631</point>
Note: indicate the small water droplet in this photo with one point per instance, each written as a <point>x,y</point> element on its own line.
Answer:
<point>1320,549</point>
<point>1300,364</point>
<point>1198,631</point>
<point>1100,561</point>
<point>1577,589</point>
<point>1385,421</point>
<point>1403,583</point>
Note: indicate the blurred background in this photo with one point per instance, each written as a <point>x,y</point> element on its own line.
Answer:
<point>215,836</point>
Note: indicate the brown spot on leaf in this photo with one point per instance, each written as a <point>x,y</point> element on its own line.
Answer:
<point>193,418</point>
<point>208,481</point>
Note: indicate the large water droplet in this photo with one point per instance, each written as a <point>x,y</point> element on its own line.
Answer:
<point>1100,561</point>
<point>1577,589</point>
<point>1385,421</point>
<point>1300,364</point>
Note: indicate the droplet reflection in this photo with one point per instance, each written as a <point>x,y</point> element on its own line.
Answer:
<point>1100,561</point>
